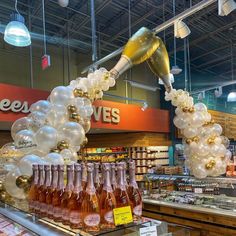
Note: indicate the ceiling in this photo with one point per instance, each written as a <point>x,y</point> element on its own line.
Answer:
<point>209,43</point>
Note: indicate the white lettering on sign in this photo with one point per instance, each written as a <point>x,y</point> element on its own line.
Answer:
<point>106,114</point>
<point>15,106</point>
<point>148,231</point>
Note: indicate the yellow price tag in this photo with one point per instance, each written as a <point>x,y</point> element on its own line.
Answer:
<point>122,215</point>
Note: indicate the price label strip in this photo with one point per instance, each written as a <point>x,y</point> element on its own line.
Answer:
<point>122,215</point>
<point>148,231</point>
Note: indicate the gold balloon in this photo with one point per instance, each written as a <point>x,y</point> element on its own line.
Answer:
<point>23,181</point>
<point>2,187</point>
<point>210,164</point>
<point>72,108</point>
<point>185,109</point>
<point>160,65</point>
<point>86,95</point>
<point>55,150</point>
<point>211,140</point>
<point>84,142</point>
<point>78,92</point>
<point>195,139</point>
<point>62,145</point>
<point>191,110</point>
<point>141,46</point>
<point>74,117</point>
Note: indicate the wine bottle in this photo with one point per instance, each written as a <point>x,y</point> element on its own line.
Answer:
<point>50,191</point>
<point>96,176</point>
<point>67,194</point>
<point>107,200</point>
<point>125,176</point>
<point>84,175</point>
<point>121,195</point>
<point>57,195</point>
<point>39,188</point>
<point>113,176</point>
<point>134,193</point>
<point>42,193</point>
<point>138,49</point>
<point>75,201</point>
<point>90,204</point>
<point>33,193</point>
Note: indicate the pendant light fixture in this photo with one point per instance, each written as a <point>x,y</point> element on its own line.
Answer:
<point>225,7</point>
<point>232,95</point>
<point>175,70</point>
<point>16,32</point>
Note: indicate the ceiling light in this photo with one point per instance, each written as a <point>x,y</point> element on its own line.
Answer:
<point>181,30</point>
<point>172,79</point>
<point>16,33</point>
<point>218,92</point>
<point>175,70</point>
<point>231,97</point>
<point>142,86</point>
<point>63,3</point>
<point>201,96</point>
<point>225,7</point>
<point>145,106</point>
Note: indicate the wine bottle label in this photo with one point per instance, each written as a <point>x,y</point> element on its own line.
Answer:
<point>138,210</point>
<point>65,214</point>
<point>43,207</point>
<point>92,220</point>
<point>50,209</point>
<point>75,217</point>
<point>109,217</point>
<point>57,212</point>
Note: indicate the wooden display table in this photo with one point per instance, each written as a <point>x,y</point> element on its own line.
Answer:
<point>207,222</point>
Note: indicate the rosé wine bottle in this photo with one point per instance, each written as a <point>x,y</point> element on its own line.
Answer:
<point>43,192</point>
<point>84,175</point>
<point>33,192</point>
<point>122,198</point>
<point>107,200</point>
<point>97,179</point>
<point>39,188</point>
<point>90,205</point>
<point>57,195</point>
<point>75,201</point>
<point>113,176</point>
<point>67,194</point>
<point>50,190</point>
<point>134,193</point>
<point>125,176</point>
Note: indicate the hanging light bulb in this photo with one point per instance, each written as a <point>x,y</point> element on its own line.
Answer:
<point>172,79</point>
<point>175,70</point>
<point>225,7</point>
<point>231,97</point>
<point>181,29</point>
<point>16,33</point>
<point>63,3</point>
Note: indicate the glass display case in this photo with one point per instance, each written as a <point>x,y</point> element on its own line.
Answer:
<point>18,213</point>
<point>212,193</point>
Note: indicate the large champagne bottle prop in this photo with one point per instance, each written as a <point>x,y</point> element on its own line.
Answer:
<point>138,49</point>
<point>160,65</point>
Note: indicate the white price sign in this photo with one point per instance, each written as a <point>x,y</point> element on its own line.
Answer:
<point>198,190</point>
<point>148,231</point>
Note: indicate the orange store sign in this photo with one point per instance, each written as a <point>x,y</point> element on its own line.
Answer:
<point>15,103</point>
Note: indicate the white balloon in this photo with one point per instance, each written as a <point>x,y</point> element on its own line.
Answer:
<point>217,129</point>
<point>46,138</point>
<point>10,184</point>
<point>112,82</point>
<point>25,164</point>
<point>72,132</point>
<point>218,150</point>
<point>179,122</point>
<point>190,132</point>
<point>199,171</point>
<point>200,107</point>
<point>38,119</point>
<point>54,158</point>
<point>25,141</point>
<point>202,149</point>
<point>61,95</point>
<point>20,124</point>
<point>57,115</point>
<point>198,119</point>
<point>68,155</point>
<point>41,106</point>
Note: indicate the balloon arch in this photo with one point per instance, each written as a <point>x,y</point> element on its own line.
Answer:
<point>56,128</point>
